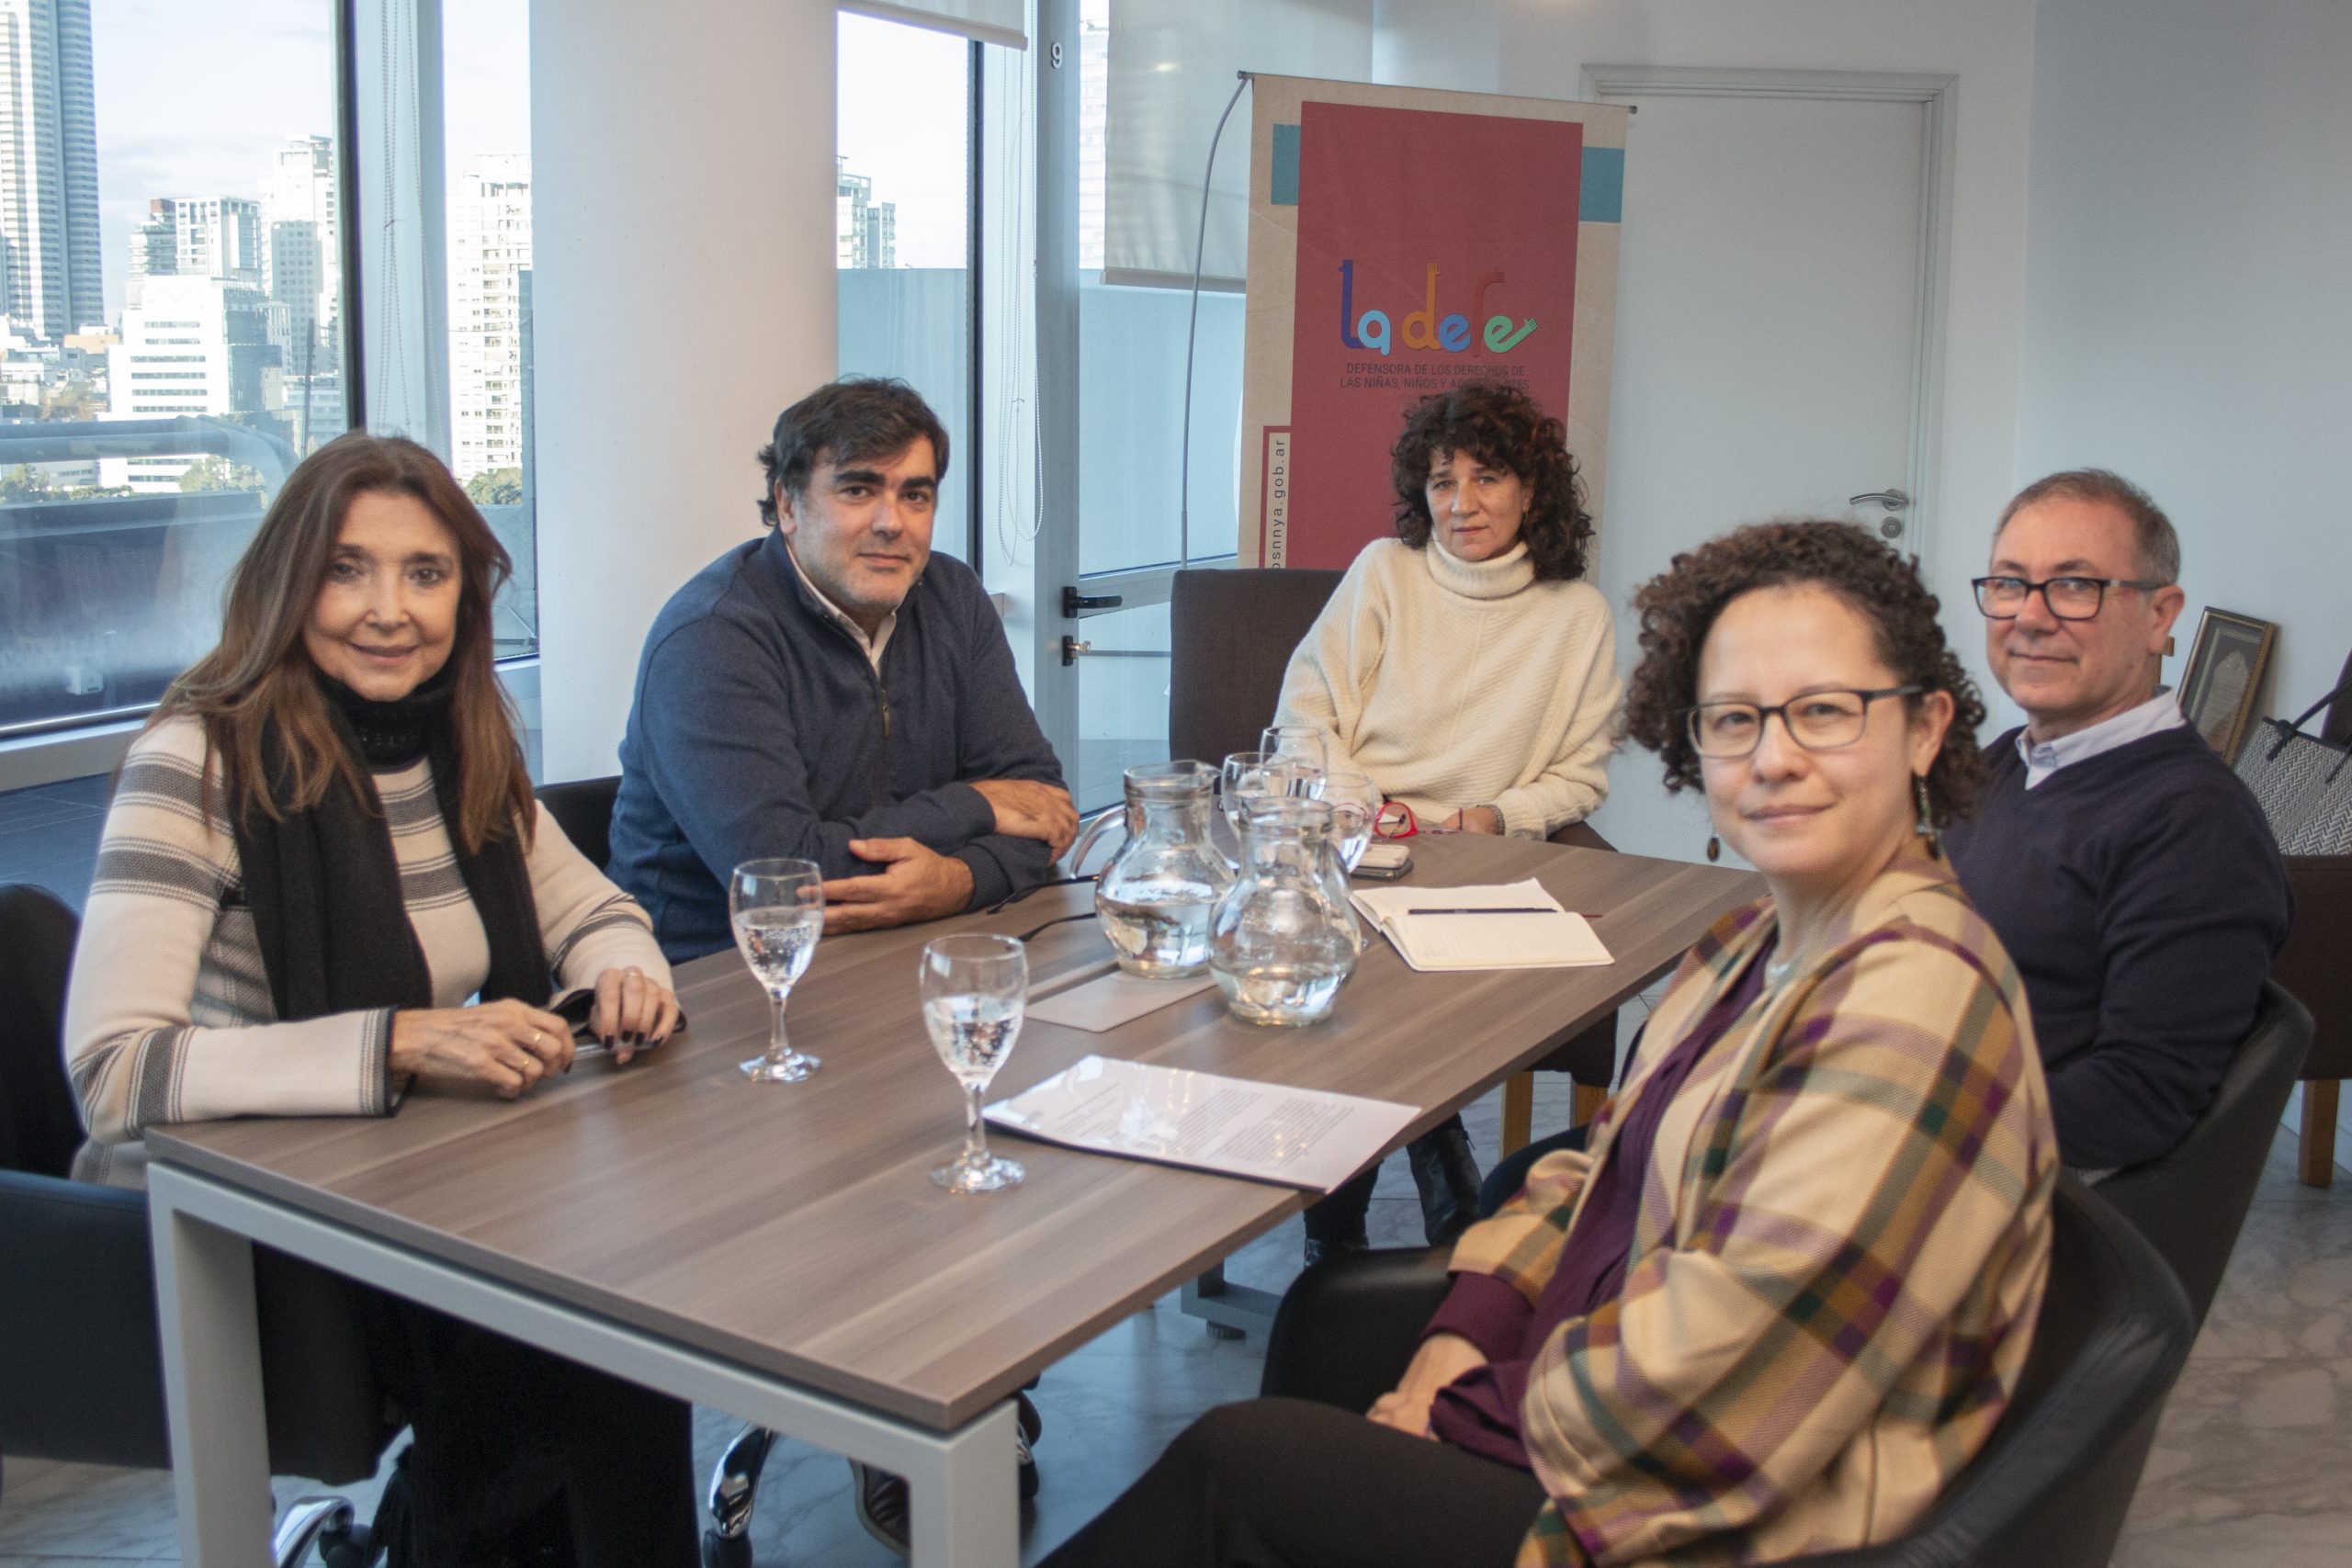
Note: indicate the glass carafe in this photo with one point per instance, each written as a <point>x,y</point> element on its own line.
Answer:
<point>1155,896</point>
<point>1283,938</point>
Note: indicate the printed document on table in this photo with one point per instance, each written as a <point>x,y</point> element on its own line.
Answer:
<point>1267,1131</point>
<point>1514,925</point>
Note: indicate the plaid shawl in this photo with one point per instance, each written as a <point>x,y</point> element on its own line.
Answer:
<point>1843,1236</point>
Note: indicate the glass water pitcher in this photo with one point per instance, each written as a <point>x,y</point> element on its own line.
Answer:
<point>1155,894</point>
<point>1284,938</point>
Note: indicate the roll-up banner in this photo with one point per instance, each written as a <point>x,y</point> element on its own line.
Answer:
<point>1403,242</point>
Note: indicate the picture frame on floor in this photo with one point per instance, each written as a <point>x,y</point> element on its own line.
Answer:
<point>2223,680</point>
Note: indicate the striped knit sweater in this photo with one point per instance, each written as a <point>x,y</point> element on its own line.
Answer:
<point>1452,684</point>
<point>1838,1255</point>
<point>169,1017</point>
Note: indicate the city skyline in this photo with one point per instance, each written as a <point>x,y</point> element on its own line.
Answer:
<point>154,59</point>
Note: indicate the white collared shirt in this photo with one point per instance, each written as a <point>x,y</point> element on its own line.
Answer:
<point>872,645</point>
<point>2043,758</point>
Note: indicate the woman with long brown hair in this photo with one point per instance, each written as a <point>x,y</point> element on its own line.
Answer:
<point>326,883</point>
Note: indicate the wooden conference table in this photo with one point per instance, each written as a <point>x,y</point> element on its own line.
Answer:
<point>777,1251</point>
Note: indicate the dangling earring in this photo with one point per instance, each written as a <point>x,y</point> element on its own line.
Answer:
<point>1928,819</point>
<point>1714,849</point>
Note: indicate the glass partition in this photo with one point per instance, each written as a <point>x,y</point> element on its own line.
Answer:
<point>902,222</point>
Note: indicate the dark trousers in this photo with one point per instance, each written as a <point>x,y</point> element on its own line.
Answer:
<point>1286,1484</point>
<point>1340,1218</point>
<point>1510,1174</point>
<point>506,1432</point>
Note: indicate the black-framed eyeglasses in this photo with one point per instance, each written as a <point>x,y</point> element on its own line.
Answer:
<point>1818,721</point>
<point>2069,598</point>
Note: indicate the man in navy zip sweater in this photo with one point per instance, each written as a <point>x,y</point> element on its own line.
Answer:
<point>2123,865</point>
<point>833,691</point>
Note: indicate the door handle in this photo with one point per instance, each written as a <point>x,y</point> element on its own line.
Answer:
<point>1892,500</point>
<point>1074,602</point>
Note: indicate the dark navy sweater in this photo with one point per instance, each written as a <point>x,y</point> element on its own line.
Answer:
<point>760,729</point>
<point>2142,897</point>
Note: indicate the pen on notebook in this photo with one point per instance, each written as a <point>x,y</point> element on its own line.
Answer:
<point>1530,909</point>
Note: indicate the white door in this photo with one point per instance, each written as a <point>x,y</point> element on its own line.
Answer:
<point>1773,310</point>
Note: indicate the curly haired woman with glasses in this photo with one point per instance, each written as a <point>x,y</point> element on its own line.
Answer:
<point>1787,1293</point>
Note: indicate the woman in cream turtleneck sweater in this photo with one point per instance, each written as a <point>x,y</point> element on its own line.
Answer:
<point>1466,669</point>
<point>1465,666</point>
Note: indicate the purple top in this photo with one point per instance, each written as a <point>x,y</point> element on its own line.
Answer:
<point>1479,1410</point>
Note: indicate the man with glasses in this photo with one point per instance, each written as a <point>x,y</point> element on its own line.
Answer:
<point>2123,865</point>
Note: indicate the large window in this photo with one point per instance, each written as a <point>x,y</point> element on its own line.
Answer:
<point>1148,500</point>
<point>486,186</point>
<point>902,224</point>
<point>173,335</point>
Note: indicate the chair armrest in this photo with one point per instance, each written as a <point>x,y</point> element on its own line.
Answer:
<point>1348,1326</point>
<point>82,1377</point>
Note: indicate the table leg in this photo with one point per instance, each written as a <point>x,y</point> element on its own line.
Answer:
<point>1229,1309</point>
<point>211,1344</point>
<point>966,1508</point>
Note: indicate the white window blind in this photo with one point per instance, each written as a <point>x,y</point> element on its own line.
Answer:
<point>990,21</point>
<point>1172,65</point>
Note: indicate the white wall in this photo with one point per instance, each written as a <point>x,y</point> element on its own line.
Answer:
<point>2188,306</point>
<point>720,221</point>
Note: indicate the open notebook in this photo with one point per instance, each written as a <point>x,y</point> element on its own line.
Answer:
<point>1450,928</point>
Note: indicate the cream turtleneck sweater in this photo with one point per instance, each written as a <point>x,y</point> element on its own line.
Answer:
<point>1454,683</point>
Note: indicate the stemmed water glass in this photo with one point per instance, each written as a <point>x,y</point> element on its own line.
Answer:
<point>1249,777</point>
<point>974,991</point>
<point>779,910</point>
<point>1299,742</point>
<point>1354,801</point>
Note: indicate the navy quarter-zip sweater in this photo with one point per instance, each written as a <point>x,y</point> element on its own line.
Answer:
<point>2142,897</point>
<point>759,728</point>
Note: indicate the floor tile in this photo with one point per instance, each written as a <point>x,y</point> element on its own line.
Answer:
<point>89,1511</point>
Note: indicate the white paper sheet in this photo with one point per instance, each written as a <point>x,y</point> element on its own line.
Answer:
<point>1109,1000</point>
<point>1555,938</point>
<point>1268,1132</point>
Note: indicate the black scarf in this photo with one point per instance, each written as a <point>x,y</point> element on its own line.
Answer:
<point>325,889</point>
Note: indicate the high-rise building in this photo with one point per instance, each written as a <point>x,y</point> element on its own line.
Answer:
<point>198,236</point>
<point>192,345</point>
<point>154,252</point>
<point>881,235</point>
<point>303,250</point>
<point>490,262</point>
<point>48,168</point>
<point>865,232</point>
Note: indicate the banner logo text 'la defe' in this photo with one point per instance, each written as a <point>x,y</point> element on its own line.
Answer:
<point>1424,328</point>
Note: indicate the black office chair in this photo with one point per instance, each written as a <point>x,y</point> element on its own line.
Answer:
<point>2049,1488</point>
<point>1231,634</point>
<point>584,809</point>
<point>2192,1203</point>
<point>82,1379</point>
